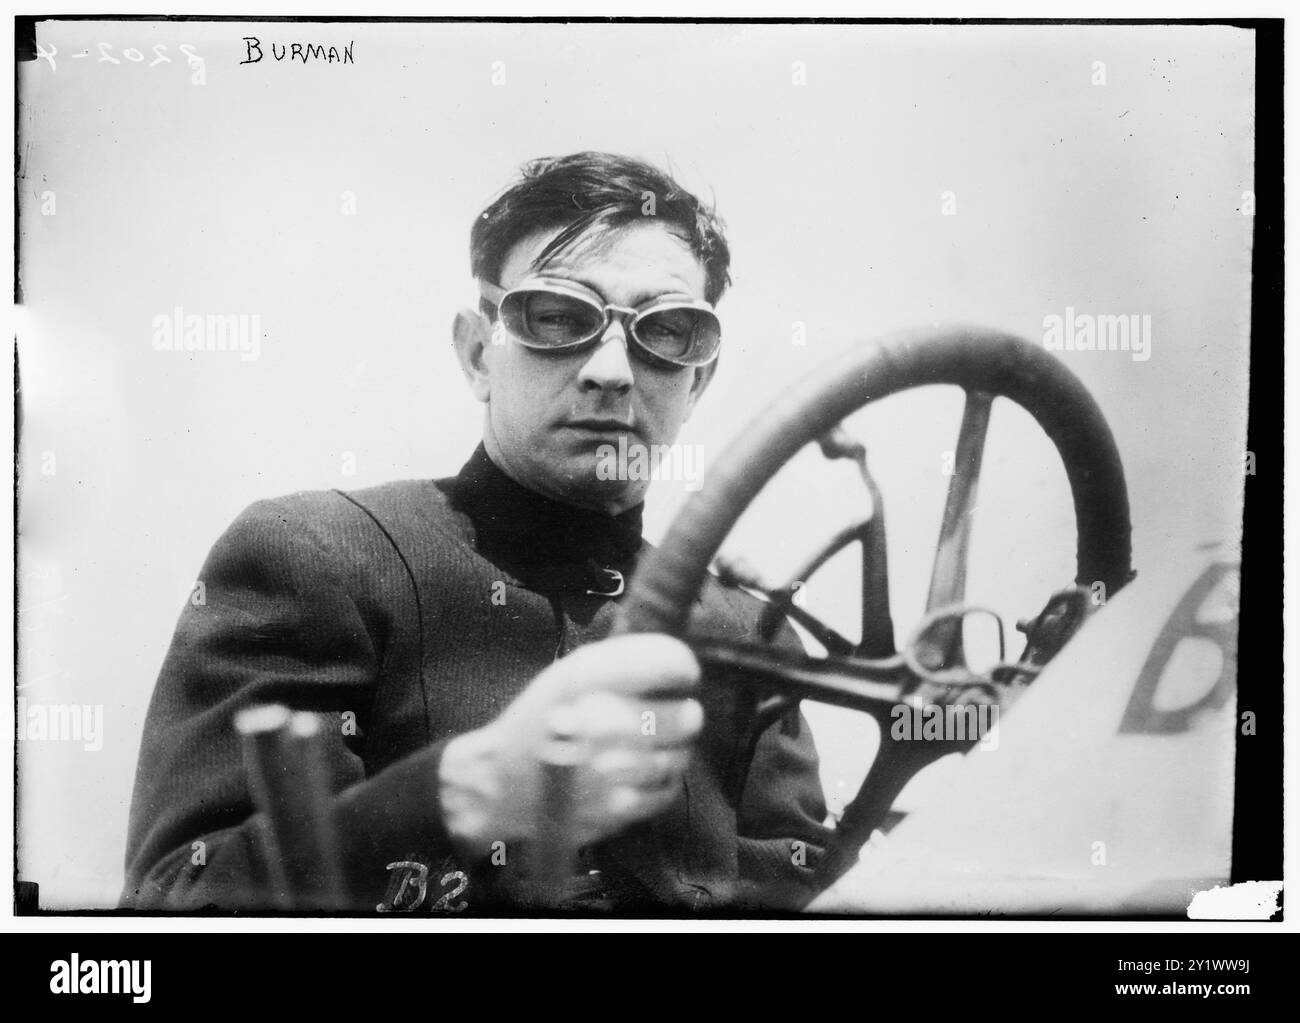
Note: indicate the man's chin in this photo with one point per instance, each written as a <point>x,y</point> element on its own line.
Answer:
<point>594,478</point>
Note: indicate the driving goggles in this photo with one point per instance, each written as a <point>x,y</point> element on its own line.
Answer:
<point>549,314</point>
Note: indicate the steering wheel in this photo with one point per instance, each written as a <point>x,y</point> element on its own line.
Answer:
<point>930,669</point>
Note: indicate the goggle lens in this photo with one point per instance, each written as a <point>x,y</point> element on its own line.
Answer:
<point>549,318</point>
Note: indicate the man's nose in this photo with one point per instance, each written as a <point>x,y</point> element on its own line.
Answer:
<point>609,367</point>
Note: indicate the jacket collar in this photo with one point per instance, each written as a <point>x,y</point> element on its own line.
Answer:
<point>550,546</point>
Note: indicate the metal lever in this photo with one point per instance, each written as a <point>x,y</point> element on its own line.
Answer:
<point>284,757</point>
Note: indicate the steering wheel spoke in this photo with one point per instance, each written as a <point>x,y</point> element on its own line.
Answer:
<point>877,622</point>
<point>853,682</point>
<point>948,577</point>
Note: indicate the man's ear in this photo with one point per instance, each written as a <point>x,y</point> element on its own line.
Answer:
<point>703,376</point>
<point>471,336</point>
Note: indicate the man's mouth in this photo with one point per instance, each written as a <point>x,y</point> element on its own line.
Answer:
<point>601,425</point>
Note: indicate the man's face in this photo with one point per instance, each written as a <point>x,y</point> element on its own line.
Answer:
<point>549,414</point>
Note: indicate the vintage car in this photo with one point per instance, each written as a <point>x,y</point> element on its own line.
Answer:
<point>1090,774</point>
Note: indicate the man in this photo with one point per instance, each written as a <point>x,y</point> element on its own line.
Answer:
<point>452,632</point>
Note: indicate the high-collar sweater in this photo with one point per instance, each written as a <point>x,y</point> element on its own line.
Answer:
<point>408,614</point>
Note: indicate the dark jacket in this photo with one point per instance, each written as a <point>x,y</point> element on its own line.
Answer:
<point>416,611</point>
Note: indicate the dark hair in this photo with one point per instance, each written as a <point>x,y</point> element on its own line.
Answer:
<point>589,190</point>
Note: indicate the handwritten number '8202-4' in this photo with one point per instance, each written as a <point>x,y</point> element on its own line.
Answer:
<point>131,54</point>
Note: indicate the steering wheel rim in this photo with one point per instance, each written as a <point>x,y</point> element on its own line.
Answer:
<point>974,358</point>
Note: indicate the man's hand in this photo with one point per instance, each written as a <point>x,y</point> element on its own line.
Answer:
<point>622,701</point>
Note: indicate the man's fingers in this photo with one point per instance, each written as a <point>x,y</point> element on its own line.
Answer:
<point>623,807</point>
<point>626,804</point>
<point>607,719</point>
<point>619,711</point>
<point>653,770</point>
<point>640,664</point>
